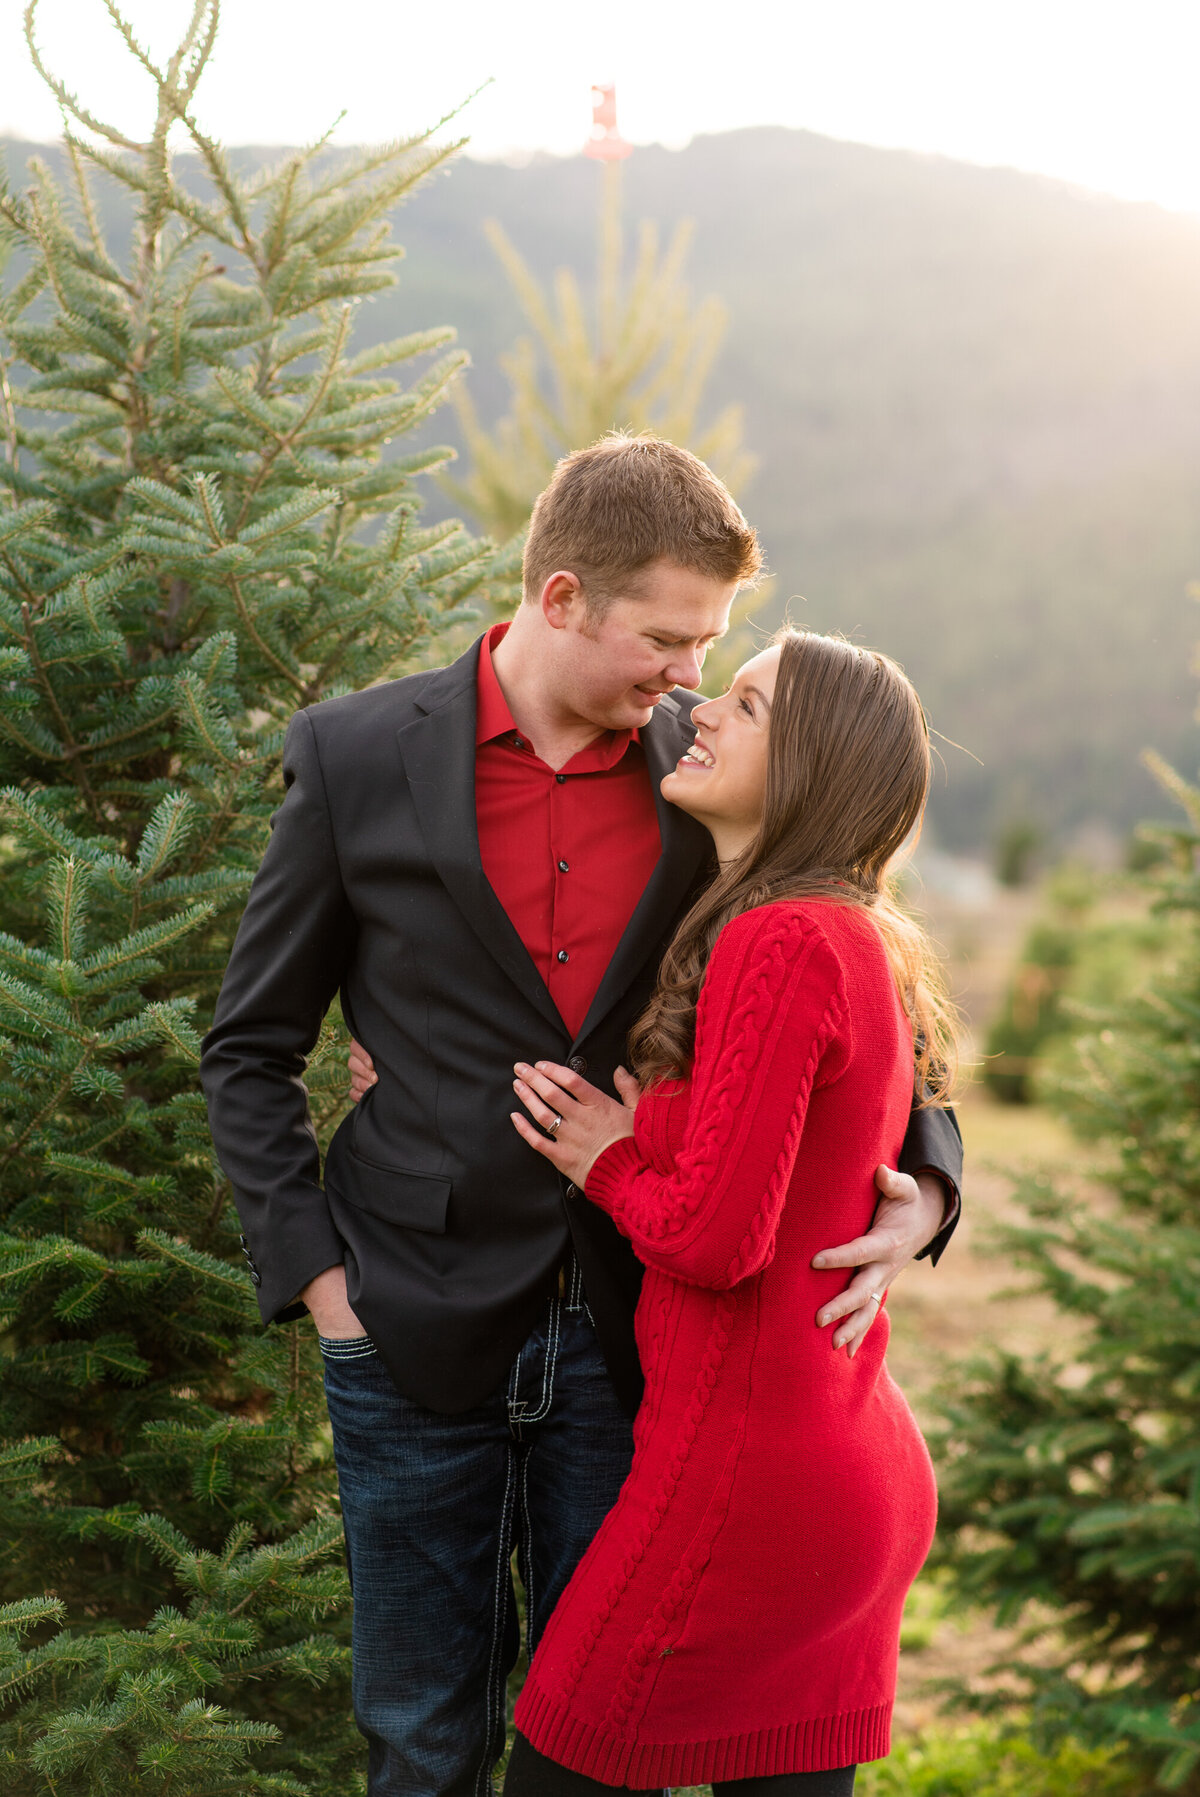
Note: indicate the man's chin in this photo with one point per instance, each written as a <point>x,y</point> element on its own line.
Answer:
<point>645,705</point>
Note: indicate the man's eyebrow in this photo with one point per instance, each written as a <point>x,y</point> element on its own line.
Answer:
<point>713,636</point>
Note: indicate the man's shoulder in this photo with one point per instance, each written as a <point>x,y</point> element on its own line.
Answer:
<point>383,709</point>
<point>686,700</point>
<point>674,711</point>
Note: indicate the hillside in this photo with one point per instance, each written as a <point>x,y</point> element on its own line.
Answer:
<point>975,397</point>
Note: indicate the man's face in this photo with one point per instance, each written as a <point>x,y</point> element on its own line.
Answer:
<point>613,671</point>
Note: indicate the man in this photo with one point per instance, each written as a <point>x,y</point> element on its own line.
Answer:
<point>479,860</point>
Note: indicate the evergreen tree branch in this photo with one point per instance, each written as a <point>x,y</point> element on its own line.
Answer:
<point>69,101</point>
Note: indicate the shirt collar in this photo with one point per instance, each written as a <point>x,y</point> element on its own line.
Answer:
<point>493,718</point>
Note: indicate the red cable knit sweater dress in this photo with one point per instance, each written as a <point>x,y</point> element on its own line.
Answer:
<point>738,1613</point>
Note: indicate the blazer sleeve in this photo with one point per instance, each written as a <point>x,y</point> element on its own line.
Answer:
<point>770,1028</point>
<point>933,1144</point>
<point>288,960</point>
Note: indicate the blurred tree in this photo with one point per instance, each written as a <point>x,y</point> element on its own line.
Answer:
<point>639,362</point>
<point>1073,1479</point>
<point>1016,846</point>
<point>1032,1011</point>
<point>1094,943</point>
<point>199,532</point>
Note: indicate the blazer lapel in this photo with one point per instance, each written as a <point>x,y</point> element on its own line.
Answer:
<point>438,749</point>
<point>685,845</point>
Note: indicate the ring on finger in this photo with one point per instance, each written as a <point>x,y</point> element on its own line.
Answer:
<point>876,1297</point>
<point>554,1125</point>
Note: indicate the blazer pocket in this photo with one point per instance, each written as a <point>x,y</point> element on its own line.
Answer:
<point>414,1200</point>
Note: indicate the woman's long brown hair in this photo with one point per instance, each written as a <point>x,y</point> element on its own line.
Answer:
<point>847,777</point>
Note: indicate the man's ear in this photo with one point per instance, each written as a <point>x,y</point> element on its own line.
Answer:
<point>562,598</point>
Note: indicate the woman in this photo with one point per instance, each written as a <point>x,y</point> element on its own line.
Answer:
<point>736,1620</point>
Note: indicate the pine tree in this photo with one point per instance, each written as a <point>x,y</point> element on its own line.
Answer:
<point>202,527</point>
<point>637,358</point>
<point>1073,1479</point>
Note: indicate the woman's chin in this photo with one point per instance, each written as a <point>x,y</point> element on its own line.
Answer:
<point>680,790</point>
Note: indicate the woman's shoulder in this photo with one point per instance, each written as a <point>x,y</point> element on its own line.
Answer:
<point>837,934</point>
<point>785,926</point>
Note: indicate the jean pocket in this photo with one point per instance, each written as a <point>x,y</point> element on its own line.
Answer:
<point>352,1347</point>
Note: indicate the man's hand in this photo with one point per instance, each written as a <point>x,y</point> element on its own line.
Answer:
<point>362,1071</point>
<point>909,1214</point>
<point>326,1299</point>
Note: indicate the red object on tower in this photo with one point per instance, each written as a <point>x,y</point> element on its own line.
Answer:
<point>606,143</point>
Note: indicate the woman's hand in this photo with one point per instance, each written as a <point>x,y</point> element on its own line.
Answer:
<point>908,1215</point>
<point>362,1071</point>
<point>589,1121</point>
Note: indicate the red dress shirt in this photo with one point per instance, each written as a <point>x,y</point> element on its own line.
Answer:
<point>568,854</point>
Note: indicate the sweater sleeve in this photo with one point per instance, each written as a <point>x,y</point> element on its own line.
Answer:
<point>771,1025</point>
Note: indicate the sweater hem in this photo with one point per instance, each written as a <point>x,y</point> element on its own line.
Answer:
<point>814,1744</point>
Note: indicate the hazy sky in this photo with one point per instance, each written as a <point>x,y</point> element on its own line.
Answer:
<point>1102,94</point>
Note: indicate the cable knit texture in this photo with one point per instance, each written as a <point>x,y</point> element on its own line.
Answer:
<point>738,1615</point>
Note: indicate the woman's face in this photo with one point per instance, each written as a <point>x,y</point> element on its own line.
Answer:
<point>722,780</point>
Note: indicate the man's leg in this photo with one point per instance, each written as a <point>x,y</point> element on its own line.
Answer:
<point>579,1444</point>
<point>429,1504</point>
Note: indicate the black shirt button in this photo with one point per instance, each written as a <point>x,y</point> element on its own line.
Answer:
<point>563,955</point>
<point>577,1063</point>
<point>564,867</point>
<point>518,742</point>
<point>561,778</point>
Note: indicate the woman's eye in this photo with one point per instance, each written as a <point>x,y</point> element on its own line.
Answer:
<point>746,707</point>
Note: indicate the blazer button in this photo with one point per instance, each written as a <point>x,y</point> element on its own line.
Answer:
<point>577,1063</point>
<point>572,1191</point>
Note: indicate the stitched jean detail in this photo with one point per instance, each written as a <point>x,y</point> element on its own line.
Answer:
<point>523,1411</point>
<point>497,1675</point>
<point>351,1347</point>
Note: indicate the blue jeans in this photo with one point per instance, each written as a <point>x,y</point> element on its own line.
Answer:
<point>433,1506</point>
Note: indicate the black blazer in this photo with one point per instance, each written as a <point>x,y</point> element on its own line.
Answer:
<point>451,1228</point>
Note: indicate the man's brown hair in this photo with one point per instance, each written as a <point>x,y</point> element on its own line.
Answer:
<point>628,501</point>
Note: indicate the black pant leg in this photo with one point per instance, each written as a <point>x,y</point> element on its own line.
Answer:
<point>838,1782</point>
<point>531,1774</point>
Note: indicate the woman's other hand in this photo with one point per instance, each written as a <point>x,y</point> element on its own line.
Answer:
<point>908,1215</point>
<point>362,1071</point>
<point>589,1123</point>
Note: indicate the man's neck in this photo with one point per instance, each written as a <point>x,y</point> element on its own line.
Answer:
<point>554,734</point>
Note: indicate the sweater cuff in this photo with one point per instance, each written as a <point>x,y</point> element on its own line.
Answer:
<point>612,1169</point>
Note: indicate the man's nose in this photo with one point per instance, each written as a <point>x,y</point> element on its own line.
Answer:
<point>685,668</point>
